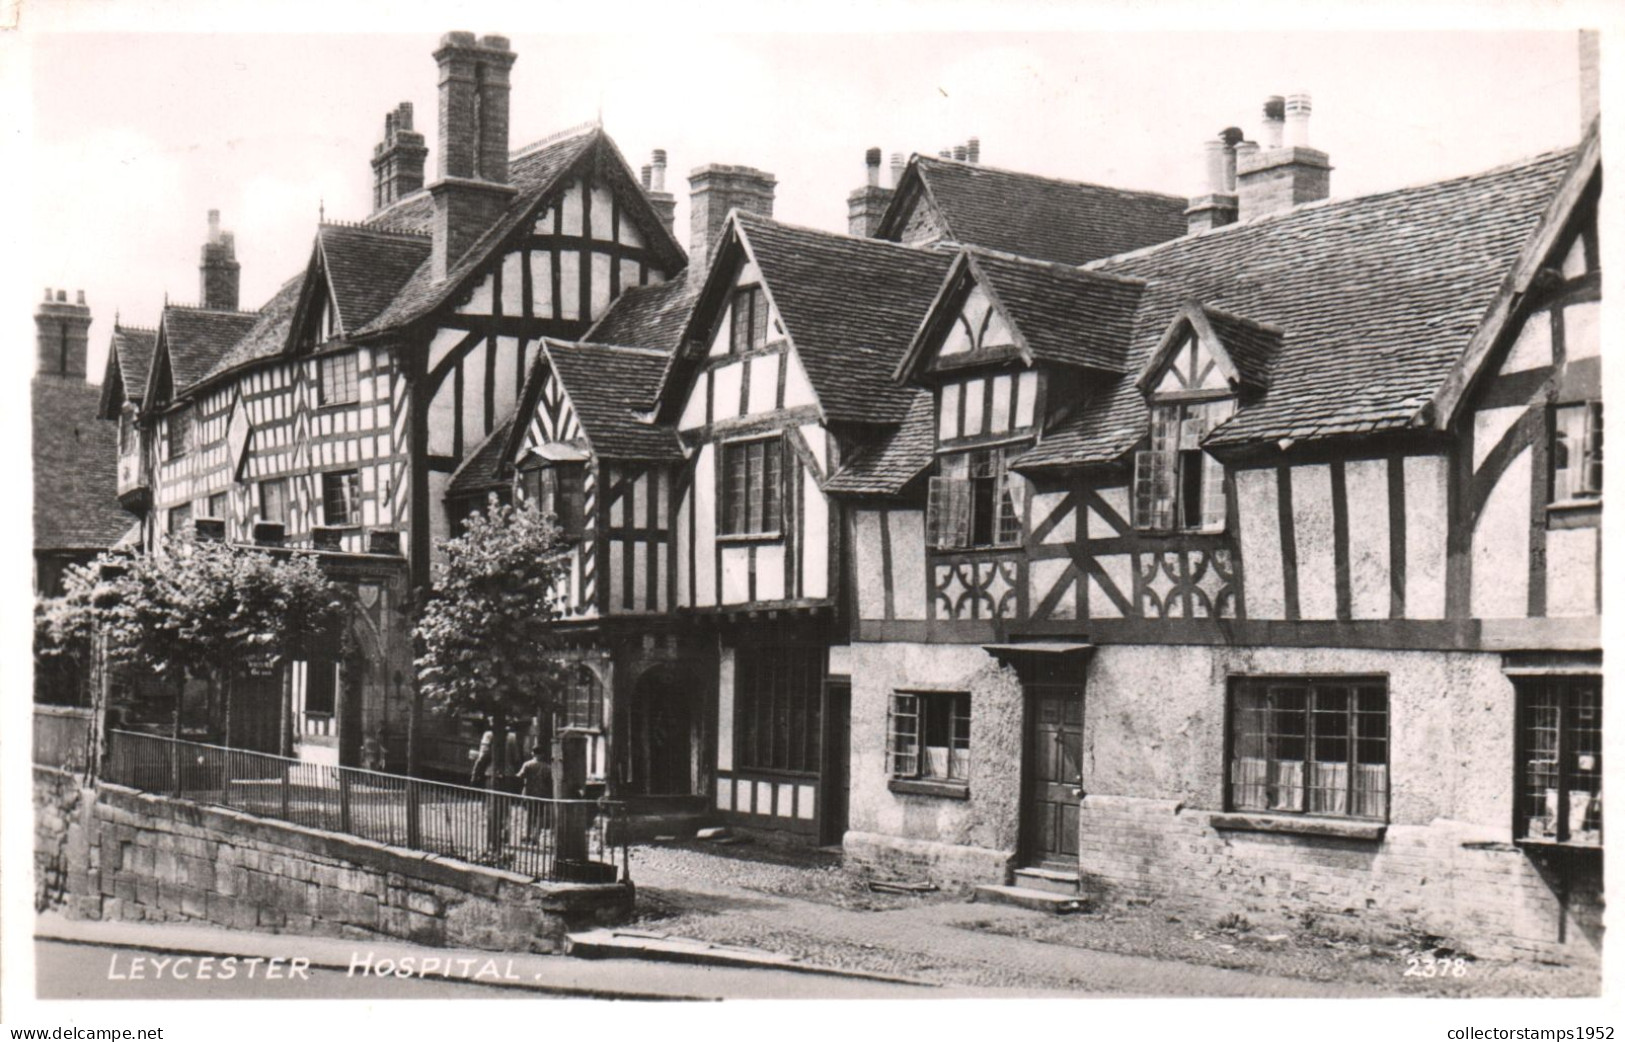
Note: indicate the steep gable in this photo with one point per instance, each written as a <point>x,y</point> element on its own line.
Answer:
<point>129,358</point>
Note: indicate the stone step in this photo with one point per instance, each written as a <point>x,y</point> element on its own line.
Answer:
<point>1054,880</point>
<point>1024,897</point>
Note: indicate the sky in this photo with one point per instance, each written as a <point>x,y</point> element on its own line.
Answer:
<point>137,135</point>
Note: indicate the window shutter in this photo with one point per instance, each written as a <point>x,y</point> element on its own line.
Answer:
<point>1213,504</point>
<point>1592,476</point>
<point>905,736</point>
<point>948,513</point>
<point>1154,490</point>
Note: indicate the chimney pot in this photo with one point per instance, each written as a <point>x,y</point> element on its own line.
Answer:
<point>81,300</point>
<point>61,296</point>
<point>898,165</point>
<point>1297,120</point>
<point>946,153</point>
<point>47,294</point>
<point>1274,120</point>
<point>960,152</point>
<point>643,175</point>
<point>871,167</point>
<point>973,150</point>
<point>657,165</point>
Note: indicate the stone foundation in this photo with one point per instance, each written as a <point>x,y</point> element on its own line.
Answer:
<point>918,859</point>
<point>115,853</point>
<point>1447,878</point>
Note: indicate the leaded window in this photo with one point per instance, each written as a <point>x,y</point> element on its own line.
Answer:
<point>341,497</point>
<point>778,707</point>
<point>974,501</point>
<point>752,487</point>
<point>337,385</point>
<point>1577,451</point>
<point>1560,760</point>
<point>749,319</point>
<point>1177,485</point>
<point>929,736</point>
<point>1310,746</point>
<point>583,702</point>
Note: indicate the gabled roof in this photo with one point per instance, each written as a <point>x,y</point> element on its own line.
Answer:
<point>1376,299</point>
<point>610,388</point>
<point>366,268</point>
<point>648,316</point>
<point>191,342</point>
<point>890,463</point>
<point>536,172</point>
<point>1069,222</point>
<point>129,357</point>
<point>1059,314</point>
<point>268,337</point>
<point>1241,348</point>
<point>75,459</point>
<point>850,306</point>
<point>482,469</point>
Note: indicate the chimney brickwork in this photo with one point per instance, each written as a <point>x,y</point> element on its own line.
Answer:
<point>1270,180</point>
<point>664,203</point>
<point>867,205</point>
<point>219,272</point>
<point>472,190</point>
<point>62,335</point>
<point>397,161</point>
<point>1217,206</point>
<point>713,191</point>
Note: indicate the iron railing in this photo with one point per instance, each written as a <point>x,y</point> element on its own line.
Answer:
<point>62,736</point>
<point>561,840</point>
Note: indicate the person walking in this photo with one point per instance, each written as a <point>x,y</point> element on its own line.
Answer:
<point>536,779</point>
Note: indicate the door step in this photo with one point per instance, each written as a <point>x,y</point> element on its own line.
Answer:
<point>1053,880</point>
<point>1024,897</point>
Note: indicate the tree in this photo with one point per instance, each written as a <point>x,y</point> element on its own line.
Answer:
<point>199,610</point>
<point>487,629</point>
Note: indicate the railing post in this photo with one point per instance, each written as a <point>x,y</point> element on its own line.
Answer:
<point>287,789</point>
<point>414,834</point>
<point>344,799</point>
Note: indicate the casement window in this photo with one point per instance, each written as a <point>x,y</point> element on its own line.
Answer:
<point>1576,452</point>
<point>583,702</point>
<point>929,736</point>
<point>1315,745</point>
<point>220,506</point>
<point>321,687</point>
<point>337,385</point>
<point>180,433</point>
<point>1560,760</point>
<point>274,500</point>
<point>180,520</point>
<point>126,432</point>
<point>778,707</point>
<point>1177,486</point>
<point>974,501</point>
<point>558,489</point>
<point>748,319</point>
<point>752,487</point>
<point>341,497</point>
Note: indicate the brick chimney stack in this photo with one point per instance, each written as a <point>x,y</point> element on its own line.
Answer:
<point>1273,179</point>
<point>1217,205</point>
<point>664,203</point>
<point>397,161</point>
<point>62,336</point>
<point>715,189</point>
<point>867,205</point>
<point>472,190</point>
<point>218,273</point>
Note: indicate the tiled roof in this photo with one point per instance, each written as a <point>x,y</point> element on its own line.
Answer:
<point>897,459</point>
<point>1252,346</point>
<point>1375,297</point>
<point>483,467</point>
<point>1065,314</point>
<point>607,385</point>
<point>412,213</point>
<point>1068,222</point>
<point>648,316</point>
<point>269,334</point>
<point>367,268</point>
<point>75,469</point>
<point>851,307</point>
<point>129,357</point>
<point>197,339</point>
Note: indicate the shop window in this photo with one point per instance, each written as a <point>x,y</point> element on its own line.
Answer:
<point>929,736</point>
<point>1178,486</point>
<point>974,501</point>
<point>1560,760</point>
<point>1576,452</point>
<point>778,706</point>
<point>1309,746</point>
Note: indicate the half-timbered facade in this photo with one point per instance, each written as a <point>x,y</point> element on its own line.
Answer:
<point>1286,571</point>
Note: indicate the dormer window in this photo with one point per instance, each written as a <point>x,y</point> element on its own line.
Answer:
<point>749,318</point>
<point>974,502</point>
<point>1177,485</point>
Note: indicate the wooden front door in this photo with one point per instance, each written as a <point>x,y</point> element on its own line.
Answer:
<point>1054,774</point>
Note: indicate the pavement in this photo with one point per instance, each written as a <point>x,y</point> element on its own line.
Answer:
<point>110,975</point>
<point>938,931</point>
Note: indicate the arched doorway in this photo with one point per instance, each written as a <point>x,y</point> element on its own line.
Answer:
<point>662,733</point>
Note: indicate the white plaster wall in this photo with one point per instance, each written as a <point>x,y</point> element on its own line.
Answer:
<point>1366,482</point>
<point>1316,547</point>
<point>1500,559</point>
<point>908,563</point>
<point>1571,572</point>
<point>1257,507</point>
<point>869,577</point>
<point>1427,526</point>
<point>815,537</point>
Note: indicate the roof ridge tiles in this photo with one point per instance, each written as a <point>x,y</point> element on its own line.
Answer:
<point>651,352</point>
<point>1321,205</point>
<point>747,217</point>
<point>1064,268</point>
<point>967,164</point>
<point>578,130</point>
<point>376,229</point>
<point>172,306</point>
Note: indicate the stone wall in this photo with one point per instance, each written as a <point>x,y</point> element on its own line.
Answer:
<point>1444,864</point>
<point>114,853</point>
